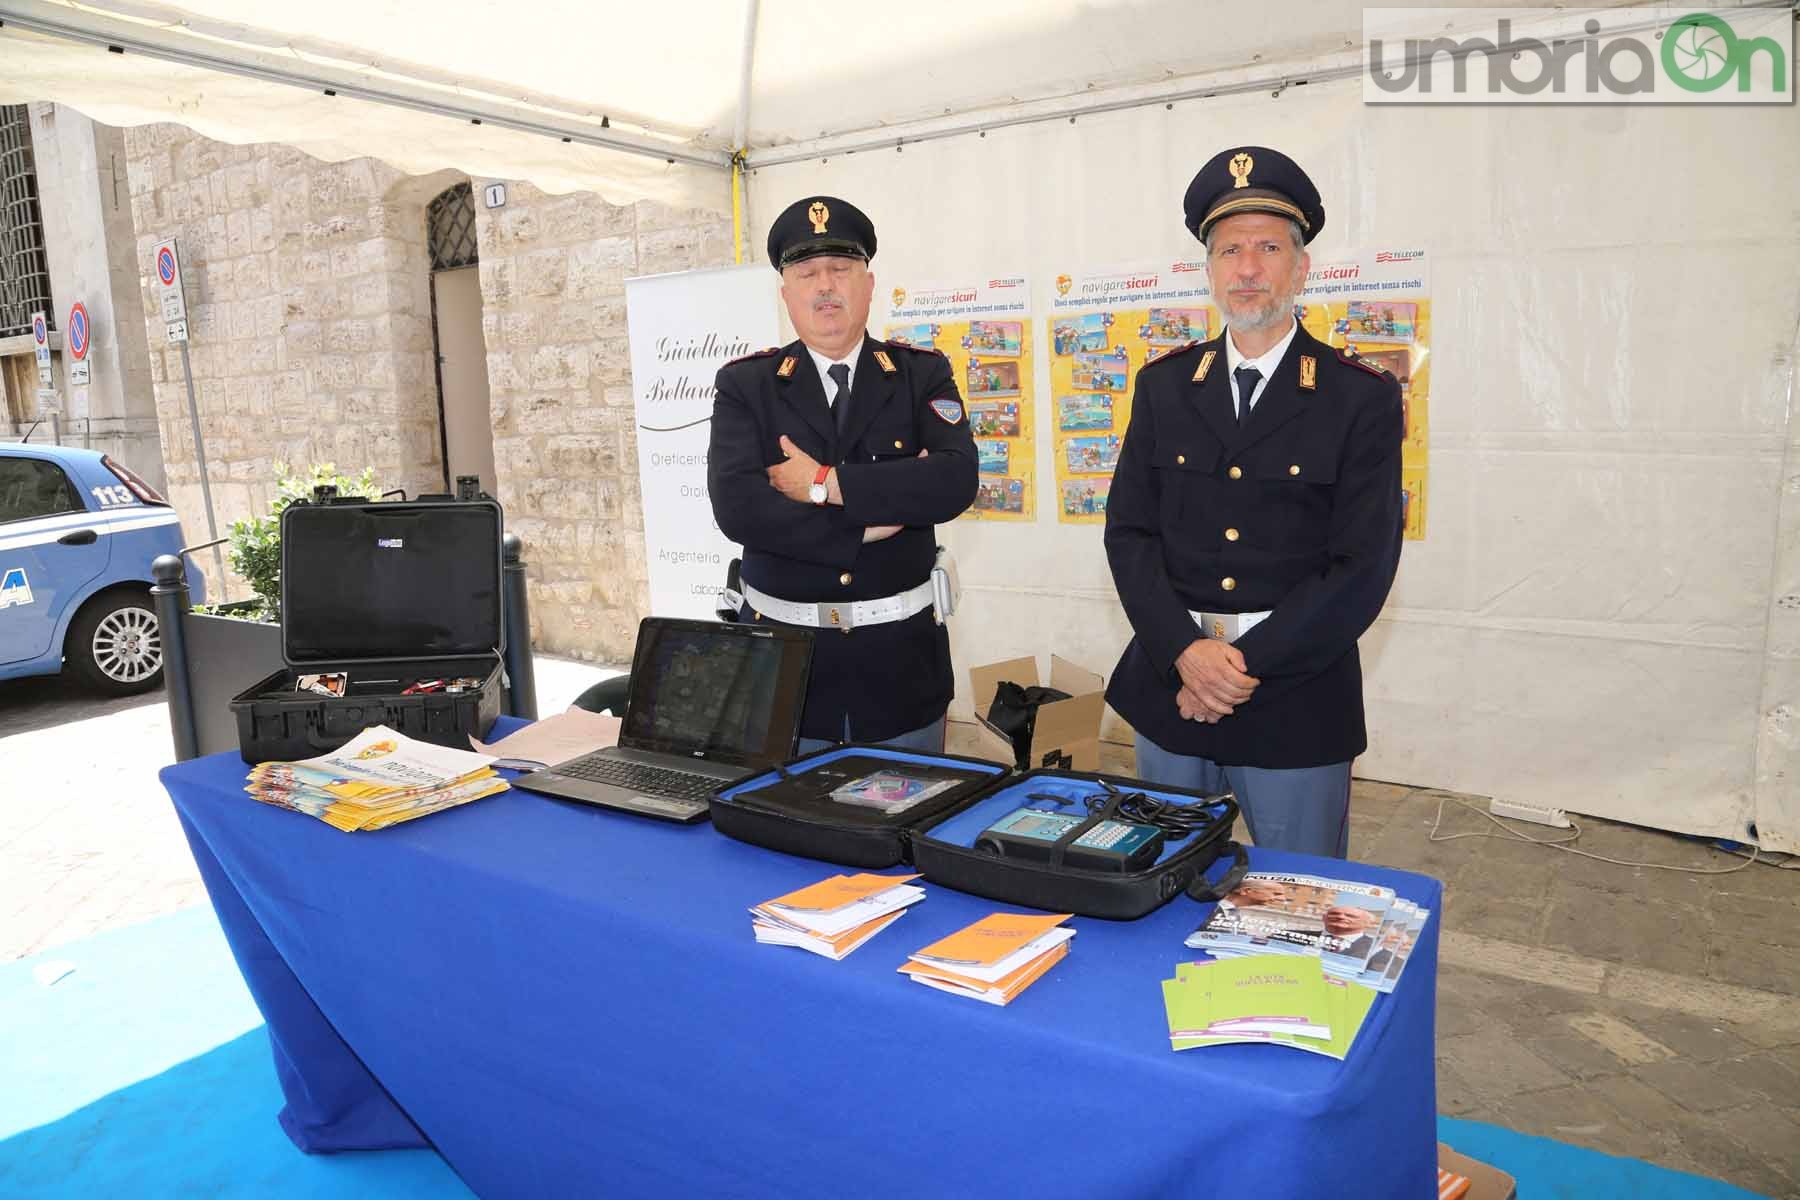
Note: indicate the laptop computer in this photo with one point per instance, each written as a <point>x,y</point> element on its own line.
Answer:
<point>710,703</point>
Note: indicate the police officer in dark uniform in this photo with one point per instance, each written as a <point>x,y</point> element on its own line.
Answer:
<point>1254,526</point>
<point>831,459</point>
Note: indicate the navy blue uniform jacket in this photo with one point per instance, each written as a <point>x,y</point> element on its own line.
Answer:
<point>888,679</point>
<point>1300,510</point>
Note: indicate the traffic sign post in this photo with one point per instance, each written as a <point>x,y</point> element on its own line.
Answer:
<point>165,265</point>
<point>40,336</point>
<point>80,338</point>
<point>48,398</point>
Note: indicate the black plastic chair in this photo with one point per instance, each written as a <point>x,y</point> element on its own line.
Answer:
<point>607,696</point>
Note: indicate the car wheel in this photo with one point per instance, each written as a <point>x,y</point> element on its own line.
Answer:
<point>115,645</point>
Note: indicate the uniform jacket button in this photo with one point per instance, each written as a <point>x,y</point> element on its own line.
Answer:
<point>844,579</point>
<point>1181,460</point>
<point>1231,535</point>
<point>899,445</point>
<point>1236,472</point>
<point>1228,583</point>
<point>1294,470</point>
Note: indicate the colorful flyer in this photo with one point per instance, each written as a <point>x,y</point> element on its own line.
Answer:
<point>1106,325</point>
<point>984,329</point>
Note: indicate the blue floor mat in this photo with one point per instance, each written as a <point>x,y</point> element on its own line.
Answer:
<point>205,1128</point>
<point>1552,1170</point>
<point>145,1072</point>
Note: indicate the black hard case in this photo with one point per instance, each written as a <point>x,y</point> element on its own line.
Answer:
<point>942,850</point>
<point>400,590</point>
<point>840,833</point>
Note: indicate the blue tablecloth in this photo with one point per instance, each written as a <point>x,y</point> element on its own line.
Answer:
<point>568,1002</point>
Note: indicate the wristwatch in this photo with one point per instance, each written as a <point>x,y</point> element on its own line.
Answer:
<point>817,493</point>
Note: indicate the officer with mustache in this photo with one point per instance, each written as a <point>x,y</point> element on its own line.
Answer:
<point>1254,526</point>
<point>831,460</point>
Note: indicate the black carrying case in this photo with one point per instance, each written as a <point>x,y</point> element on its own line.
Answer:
<point>392,593</point>
<point>943,851</point>
<point>789,808</point>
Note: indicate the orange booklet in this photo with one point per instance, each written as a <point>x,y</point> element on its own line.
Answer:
<point>1001,991</point>
<point>990,939</point>
<point>829,894</point>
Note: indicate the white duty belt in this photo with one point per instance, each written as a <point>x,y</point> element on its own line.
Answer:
<point>842,614</point>
<point>1227,627</point>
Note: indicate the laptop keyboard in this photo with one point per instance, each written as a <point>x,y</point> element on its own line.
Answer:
<point>658,781</point>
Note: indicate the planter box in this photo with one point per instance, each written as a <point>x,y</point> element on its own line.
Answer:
<point>225,656</point>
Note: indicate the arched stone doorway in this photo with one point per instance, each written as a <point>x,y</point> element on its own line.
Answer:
<point>457,337</point>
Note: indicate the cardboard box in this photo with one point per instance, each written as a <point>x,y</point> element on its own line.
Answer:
<point>1485,1182</point>
<point>1067,732</point>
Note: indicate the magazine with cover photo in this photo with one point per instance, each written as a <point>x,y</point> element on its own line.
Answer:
<point>1336,919</point>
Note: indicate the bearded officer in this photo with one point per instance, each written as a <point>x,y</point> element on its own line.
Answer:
<point>1254,527</point>
<point>831,460</point>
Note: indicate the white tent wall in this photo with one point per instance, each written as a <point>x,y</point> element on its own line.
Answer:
<point>1604,614</point>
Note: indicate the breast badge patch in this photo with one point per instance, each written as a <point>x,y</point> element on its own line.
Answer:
<point>948,409</point>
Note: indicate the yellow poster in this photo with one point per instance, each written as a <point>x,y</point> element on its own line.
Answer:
<point>1378,304</point>
<point>1106,326</point>
<point>984,329</point>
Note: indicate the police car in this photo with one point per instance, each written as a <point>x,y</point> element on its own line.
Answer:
<point>78,533</point>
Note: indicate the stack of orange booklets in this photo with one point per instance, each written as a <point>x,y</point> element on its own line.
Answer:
<point>835,916</point>
<point>994,959</point>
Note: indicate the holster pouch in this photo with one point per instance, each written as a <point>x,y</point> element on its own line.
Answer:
<point>730,601</point>
<point>946,587</point>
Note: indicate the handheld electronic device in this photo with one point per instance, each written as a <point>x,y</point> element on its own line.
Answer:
<point>1032,834</point>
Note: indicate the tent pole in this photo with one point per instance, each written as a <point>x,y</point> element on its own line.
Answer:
<point>741,134</point>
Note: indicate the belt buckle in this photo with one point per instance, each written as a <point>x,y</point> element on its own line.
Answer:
<point>836,616</point>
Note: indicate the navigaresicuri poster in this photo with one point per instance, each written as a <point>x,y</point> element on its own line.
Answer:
<point>1104,326</point>
<point>984,328</point>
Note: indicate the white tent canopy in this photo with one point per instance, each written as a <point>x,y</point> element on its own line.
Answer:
<point>651,99</point>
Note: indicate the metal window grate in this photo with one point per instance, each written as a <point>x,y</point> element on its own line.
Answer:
<point>450,227</point>
<point>24,275</point>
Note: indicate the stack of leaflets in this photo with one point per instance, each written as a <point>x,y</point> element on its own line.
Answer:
<point>836,915</point>
<point>1285,1000</point>
<point>994,959</point>
<point>378,778</point>
<point>1358,931</point>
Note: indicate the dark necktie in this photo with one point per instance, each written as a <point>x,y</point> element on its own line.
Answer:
<point>1247,379</point>
<point>840,403</point>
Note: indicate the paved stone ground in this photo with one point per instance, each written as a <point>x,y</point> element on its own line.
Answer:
<point>1636,1011</point>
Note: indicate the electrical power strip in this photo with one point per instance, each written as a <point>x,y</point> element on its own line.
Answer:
<point>1523,810</point>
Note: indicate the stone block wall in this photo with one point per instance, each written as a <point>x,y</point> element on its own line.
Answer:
<point>308,288</point>
<point>309,317</point>
<point>553,271</point>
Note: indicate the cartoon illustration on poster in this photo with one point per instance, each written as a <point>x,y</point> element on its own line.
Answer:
<point>1106,326</point>
<point>984,329</point>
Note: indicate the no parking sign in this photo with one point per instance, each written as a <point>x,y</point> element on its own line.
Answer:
<point>166,261</point>
<point>80,337</point>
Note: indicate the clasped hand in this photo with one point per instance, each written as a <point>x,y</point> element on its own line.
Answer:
<point>1213,681</point>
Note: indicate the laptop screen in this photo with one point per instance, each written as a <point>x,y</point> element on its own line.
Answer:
<point>732,693</point>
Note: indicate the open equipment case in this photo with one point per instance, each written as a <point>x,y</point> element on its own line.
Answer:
<point>393,594</point>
